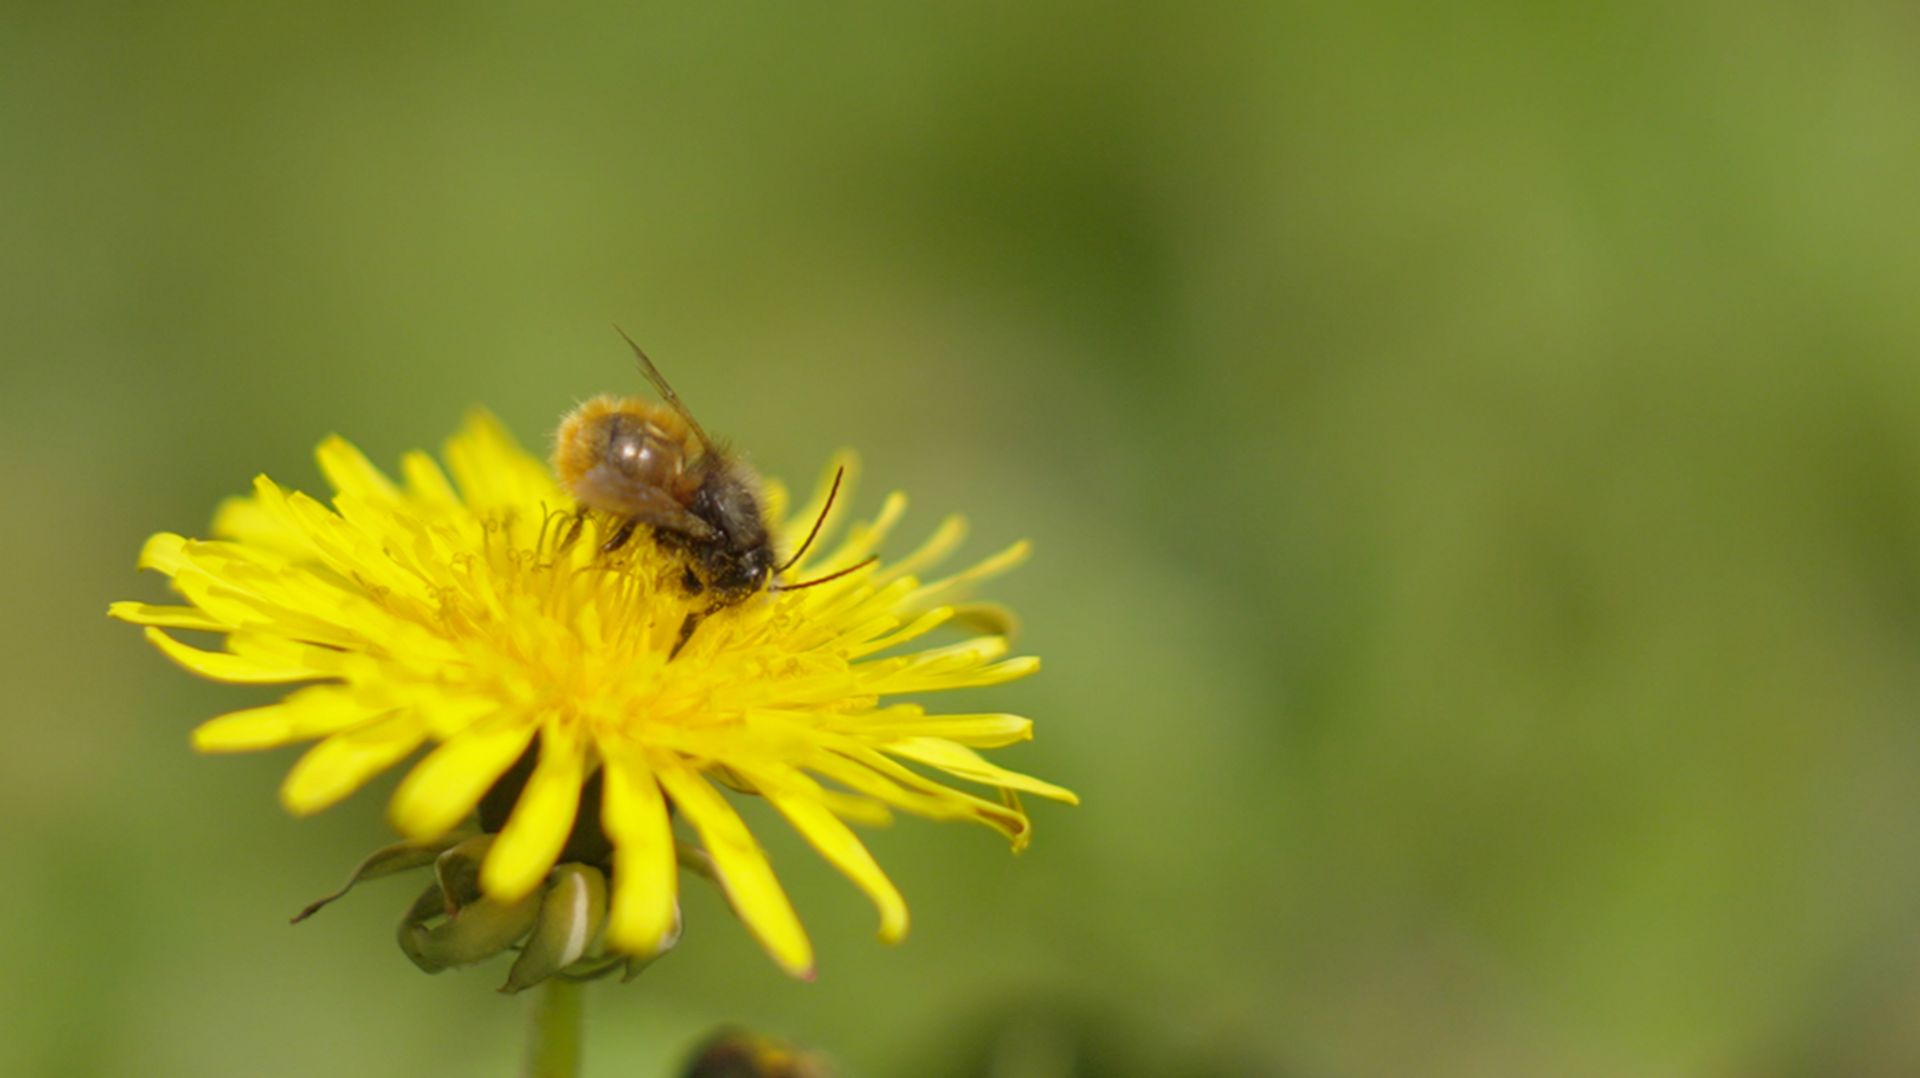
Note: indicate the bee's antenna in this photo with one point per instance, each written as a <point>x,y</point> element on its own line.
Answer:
<point>830,576</point>
<point>817,521</point>
<point>659,382</point>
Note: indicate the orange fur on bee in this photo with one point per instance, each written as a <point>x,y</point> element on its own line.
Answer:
<point>581,439</point>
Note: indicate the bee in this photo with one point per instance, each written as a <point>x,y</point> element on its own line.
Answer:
<point>652,465</point>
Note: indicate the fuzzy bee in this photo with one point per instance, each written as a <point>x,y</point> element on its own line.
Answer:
<point>650,464</point>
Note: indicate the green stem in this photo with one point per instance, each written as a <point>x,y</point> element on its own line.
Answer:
<point>553,1049</point>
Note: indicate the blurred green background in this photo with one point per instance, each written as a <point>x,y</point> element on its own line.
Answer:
<point>1473,457</point>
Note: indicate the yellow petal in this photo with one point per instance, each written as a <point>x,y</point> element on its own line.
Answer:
<point>967,764</point>
<point>245,520</point>
<point>749,881</point>
<point>349,550</point>
<point>268,650</point>
<point>944,541</point>
<point>979,731</point>
<point>923,795</point>
<point>167,617</point>
<point>847,853</point>
<point>344,762</point>
<point>493,472</point>
<point>869,783</point>
<point>351,473</point>
<point>918,627</point>
<point>963,665</point>
<point>942,590</point>
<point>444,787</point>
<point>966,653</point>
<point>269,601</point>
<point>971,678</point>
<point>448,712</point>
<point>537,829</point>
<point>788,780</point>
<point>634,812</point>
<point>223,666</point>
<point>164,552</point>
<point>307,714</point>
<point>426,483</point>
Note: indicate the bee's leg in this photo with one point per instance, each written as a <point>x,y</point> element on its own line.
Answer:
<point>619,538</point>
<point>687,626</point>
<point>573,532</point>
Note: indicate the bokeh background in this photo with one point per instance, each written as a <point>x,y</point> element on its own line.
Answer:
<point>1473,453</point>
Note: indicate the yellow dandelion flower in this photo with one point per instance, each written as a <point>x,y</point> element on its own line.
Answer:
<point>454,615</point>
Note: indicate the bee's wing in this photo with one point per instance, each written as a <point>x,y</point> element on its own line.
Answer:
<point>660,386</point>
<point>656,509</point>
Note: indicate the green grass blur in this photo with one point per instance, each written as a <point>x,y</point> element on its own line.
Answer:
<point>1473,457</point>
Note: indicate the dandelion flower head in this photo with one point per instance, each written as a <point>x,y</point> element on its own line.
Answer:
<point>450,613</point>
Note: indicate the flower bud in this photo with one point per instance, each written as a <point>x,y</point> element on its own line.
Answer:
<point>437,938</point>
<point>572,913</point>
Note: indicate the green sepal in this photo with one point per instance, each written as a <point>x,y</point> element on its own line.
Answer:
<point>696,860</point>
<point>572,914</point>
<point>457,870</point>
<point>385,861</point>
<point>473,933</point>
<point>427,905</point>
<point>592,969</point>
<point>635,963</point>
